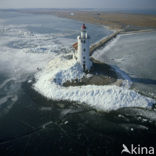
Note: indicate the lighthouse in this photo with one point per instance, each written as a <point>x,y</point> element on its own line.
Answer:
<point>83,50</point>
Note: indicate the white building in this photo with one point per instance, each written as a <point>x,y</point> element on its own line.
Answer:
<point>82,54</point>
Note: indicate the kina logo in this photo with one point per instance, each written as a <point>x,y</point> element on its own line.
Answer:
<point>125,149</point>
<point>137,150</point>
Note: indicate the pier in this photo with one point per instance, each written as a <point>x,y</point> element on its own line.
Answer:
<point>102,42</point>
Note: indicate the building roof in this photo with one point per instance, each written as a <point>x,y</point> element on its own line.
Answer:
<point>75,45</point>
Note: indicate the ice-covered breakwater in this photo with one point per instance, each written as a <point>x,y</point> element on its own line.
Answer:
<point>49,83</point>
<point>102,42</point>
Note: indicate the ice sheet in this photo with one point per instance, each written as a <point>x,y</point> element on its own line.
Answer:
<point>104,98</point>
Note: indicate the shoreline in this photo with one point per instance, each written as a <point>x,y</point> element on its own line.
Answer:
<point>125,22</point>
<point>111,23</point>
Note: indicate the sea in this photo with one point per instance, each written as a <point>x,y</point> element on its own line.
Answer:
<point>31,124</point>
<point>134,55</point>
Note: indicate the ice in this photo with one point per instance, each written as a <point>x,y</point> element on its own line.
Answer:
<point>66,122</point>
<point>5,108</point>
<point>134,54</point>
<point>132,129</point>
<point>109,45</point>
<point>5,82</point>
<point>142,115</point>
<point>127,82</point>
<point>22,54</point>
<point>46,124</point>
<point>4,99</point>
<point>25,51</point>
<point>49,83</point>
<point>45,108</point>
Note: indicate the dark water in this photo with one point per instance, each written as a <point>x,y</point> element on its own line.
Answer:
<point>32,125</point>
<point>36,126</point>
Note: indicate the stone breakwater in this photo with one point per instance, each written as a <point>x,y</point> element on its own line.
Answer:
<point>103,42</point>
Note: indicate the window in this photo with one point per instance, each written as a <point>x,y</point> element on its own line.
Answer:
<point>84,49</point>
<point>83,41</point>
<point>84,67</point>
<point>84,58</point>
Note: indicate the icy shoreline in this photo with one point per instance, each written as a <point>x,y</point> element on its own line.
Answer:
<point>106,98</point>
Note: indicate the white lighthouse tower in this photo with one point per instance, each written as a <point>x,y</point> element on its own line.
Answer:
<point>83,50</point>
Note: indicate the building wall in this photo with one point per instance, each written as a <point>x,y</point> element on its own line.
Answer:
<point>83,51</point>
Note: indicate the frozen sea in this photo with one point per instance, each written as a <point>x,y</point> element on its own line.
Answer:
<point>31,124</point>
<point>135,55</point>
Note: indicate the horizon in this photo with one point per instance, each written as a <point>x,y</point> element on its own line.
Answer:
<point>82,8</point>
<point>81,4</point>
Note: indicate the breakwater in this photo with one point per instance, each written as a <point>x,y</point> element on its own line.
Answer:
<point>102,42</point>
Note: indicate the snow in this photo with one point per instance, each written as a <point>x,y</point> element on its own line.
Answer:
<point>25,51</point>
<point>106,98</point>
<point>127,82</point>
